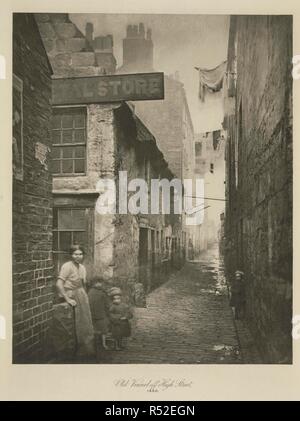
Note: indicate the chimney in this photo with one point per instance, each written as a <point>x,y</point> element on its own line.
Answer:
<point>103,43</point>
<point>89,29</point>
<point>142,30</point>
<point>137,49</point>
<point>103,47</point>
<point>135,31</point>
<point>129,31</point>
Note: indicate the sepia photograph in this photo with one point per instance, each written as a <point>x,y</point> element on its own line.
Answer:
<point>152,188</point>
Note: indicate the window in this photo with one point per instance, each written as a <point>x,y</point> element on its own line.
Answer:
<point>68,155</point>
<point>69,227</point>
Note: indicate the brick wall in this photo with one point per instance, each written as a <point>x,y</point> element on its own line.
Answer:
<point>32,200</point>
<point>259,213</point>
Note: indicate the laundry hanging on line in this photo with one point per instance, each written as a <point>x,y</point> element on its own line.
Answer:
<point>216,138</point>
<point>211,80</point>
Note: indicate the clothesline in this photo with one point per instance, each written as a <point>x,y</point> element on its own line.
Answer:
<point>211,80</point>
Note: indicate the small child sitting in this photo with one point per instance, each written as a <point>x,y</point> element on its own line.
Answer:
<point>119,314</point>
<point>99,305</point>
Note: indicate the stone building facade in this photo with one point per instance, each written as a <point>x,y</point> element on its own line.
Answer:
<point>96,141</point>
<point>72,53</point>
<point>124,248</point>
<point>32,192</point>
<point>258,217</point>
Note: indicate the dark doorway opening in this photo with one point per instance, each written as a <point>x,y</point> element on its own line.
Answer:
<point>143,259</point>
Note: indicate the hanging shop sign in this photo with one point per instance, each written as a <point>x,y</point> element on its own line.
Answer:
<point>105,89</point>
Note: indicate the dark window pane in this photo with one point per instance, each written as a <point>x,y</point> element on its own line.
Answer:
<point>78,219</point>
<point>79,136</point>
<point>79,165</point>
<point>55,167</point>
<point>56,121</point>
<point>79,238</point>
<point>55,240</point>
<point>67,152</point>
<point>67,136</point>
<point>56,136</point>
<point>55,152</point>
<point>67,121</point>
<point>67,166</point>
<point>55,216</point>
<point>79,152</point>
<point>65,239</point>
<point>79,120</point>
<point>64,219</point>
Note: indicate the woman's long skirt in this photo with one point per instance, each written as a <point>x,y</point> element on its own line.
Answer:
<point>85,344</point>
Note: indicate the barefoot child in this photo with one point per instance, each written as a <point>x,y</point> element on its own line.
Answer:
<point>120,314</point>
<point>99,304</point>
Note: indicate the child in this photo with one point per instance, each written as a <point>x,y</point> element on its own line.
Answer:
<point>120,314</point>
<point>238,299</point>
<point>99,305</point>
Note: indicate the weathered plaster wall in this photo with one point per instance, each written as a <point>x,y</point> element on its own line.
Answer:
<point>131,151</point>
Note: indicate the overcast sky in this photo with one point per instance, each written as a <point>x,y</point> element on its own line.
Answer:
<point>180,43</point>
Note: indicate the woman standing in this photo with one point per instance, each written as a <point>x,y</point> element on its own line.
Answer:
<point>71,286</point>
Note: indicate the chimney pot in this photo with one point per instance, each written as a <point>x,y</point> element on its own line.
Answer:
<point>137,50</point>
<point>135,30</point>
<point>142,30</point>
<point>111,40</point>
<point>89,29</point>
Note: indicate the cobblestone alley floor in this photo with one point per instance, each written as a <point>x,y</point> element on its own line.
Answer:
<point>188,321</point>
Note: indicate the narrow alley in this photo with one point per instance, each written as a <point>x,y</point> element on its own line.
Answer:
<point>188,320</point>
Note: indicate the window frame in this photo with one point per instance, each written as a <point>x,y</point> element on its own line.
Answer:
<point>56,252</point>
<point>72,144</point>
